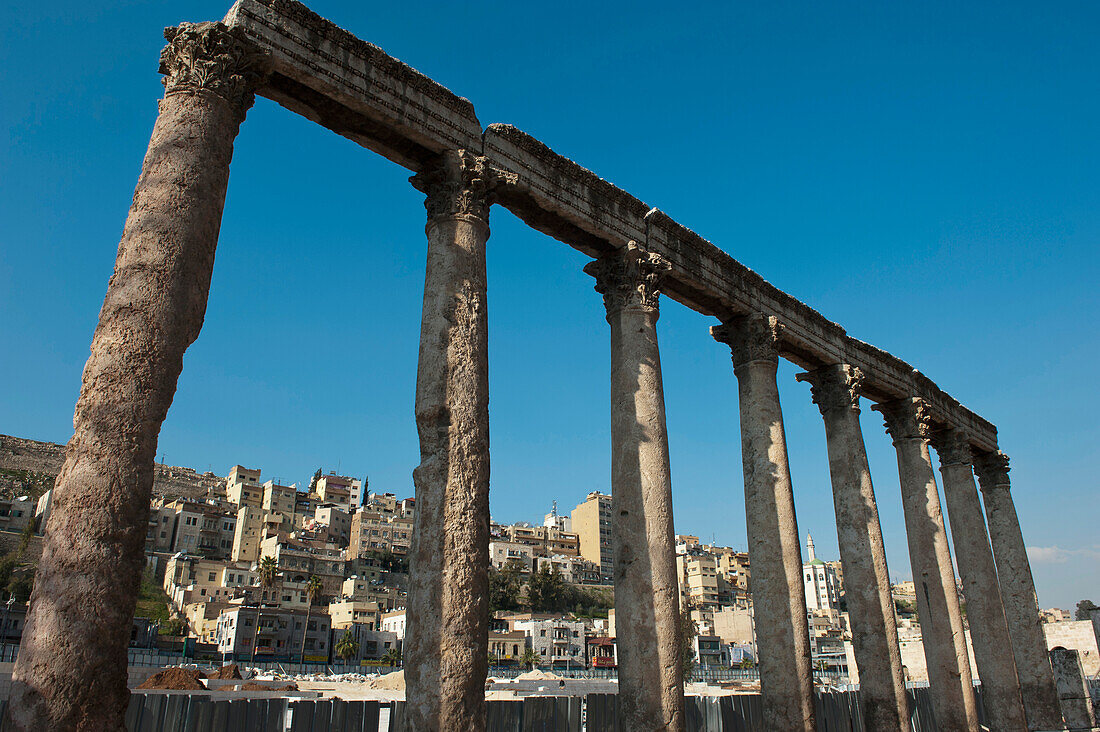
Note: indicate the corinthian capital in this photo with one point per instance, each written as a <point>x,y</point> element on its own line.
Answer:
<point>752,337</point>
<point>629,278</point>
<point>210,57</point>
<point>460,185</point>
<point>992,470</point>
<point>952,446</point>
<point>834,387</point>
<point>906,418</point>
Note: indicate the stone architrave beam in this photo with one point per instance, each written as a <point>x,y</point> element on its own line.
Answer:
<point>647,615</point>
<point>355,89</point>
<point>71,671</point>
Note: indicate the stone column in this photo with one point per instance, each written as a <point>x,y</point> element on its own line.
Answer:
<point>1073,689</point>
<point>984,612</point>
<point>778,592</point>
<point>1021,607</point>
<point>71,672</point>
<point>836,391</point>
<point>907,422</point>
<point>647,611</point>
<point>448,631</point>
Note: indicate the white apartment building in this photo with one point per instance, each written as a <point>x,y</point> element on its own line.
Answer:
<point>820,581</point>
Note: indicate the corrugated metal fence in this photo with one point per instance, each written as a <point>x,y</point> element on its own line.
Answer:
<point>181,712</point>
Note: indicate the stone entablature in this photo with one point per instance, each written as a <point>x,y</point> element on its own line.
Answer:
<point>354,88</point>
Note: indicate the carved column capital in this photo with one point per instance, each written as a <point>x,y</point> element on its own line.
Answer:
<point>952,446</point>
<point>752,337</point>
<point>460,185</point>
<point>992,470</point>
<point>834,387</point>
<point>906,418</point>
<point>629,278</point>
<point>211,58</point>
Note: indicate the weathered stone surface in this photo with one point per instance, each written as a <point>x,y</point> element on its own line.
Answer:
<point>448,631</point>
<point>907,422</point>
<point>86,586</point>
<point>1073,690</point>
<point>353,87</point>
<point>985,614</point>
<point>647,616</point>
<point>779,595</point>
<point>836,391</point>
<point>1021,607</point>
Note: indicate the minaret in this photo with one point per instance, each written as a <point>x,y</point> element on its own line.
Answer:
<point>810,548</point>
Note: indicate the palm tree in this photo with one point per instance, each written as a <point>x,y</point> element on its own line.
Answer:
<point>268,570</point>
<point>392,657</point>
<point>348,646</point>
<point>314,588</point>
<point>530,658</point>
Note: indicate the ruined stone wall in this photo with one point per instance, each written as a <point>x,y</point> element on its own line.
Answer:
<point>1076,635</point>
<point>30,466</point>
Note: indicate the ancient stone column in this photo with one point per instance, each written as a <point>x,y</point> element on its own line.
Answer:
<point>1021,606</point>
<point>448,631</point>
<point>71,672</point>
<point>647,612</point>
<point>835,390</point>
<point>1073,689</point>
<point>907,422</point>
<point>778,592</point>
<point>984,612</point>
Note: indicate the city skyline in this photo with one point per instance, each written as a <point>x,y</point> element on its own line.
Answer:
<point>940,202</point>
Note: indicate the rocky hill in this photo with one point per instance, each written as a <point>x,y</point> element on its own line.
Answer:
<point>29,467</point>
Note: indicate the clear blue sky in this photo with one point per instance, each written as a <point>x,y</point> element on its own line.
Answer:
<point>924,174</point>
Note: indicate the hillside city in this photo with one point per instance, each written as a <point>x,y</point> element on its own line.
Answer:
<point>246,569</point>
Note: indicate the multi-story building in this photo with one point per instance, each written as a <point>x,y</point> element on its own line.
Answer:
<point>199,527</point>
<point>544,540</point>
<point>557,521</point>
<point>507,646</point>
<point>16,513</point>
<point>248,534</point>
<point>189,579</point>
<point>505,552</point>
<point>576,570</point>
<point>373,644</point>
<point>242,487</point>
<point>279,499</point>
<point>373,533</point>
<point>342,490</point>
<point>559,642</point>
<point>395,622</point>
<point>347,612</point>
<point>820,581</point>
<point>336,523</point>
<point>698,573</point>
<point>278,636</point>
<point>592,524</point>
<point>298,560</point>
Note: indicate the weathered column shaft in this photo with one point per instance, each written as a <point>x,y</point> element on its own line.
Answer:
<point>933,575</point>
<point>647,612</point>
<point>71,671</point>
<point>984,612</point>
<point>862,553</point>
<point>1073,689</point>
<point>778,592</point>
<point>1021,606</point>
<point>448,631</point>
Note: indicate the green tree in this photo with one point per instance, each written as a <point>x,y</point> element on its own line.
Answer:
<point>1084,610</point>
<point>547,592</point>
<point>530,658</point>
<point>504,587</point>
<point>348,646</point>
<point>689,631</point>
<point>314,588</point>
<point>392,657</point>
<point>313,481</point>
<point>268,571</point>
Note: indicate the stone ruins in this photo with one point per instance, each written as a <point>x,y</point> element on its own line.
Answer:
<point>154,307</point>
